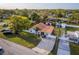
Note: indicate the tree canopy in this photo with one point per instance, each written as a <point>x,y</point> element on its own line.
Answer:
<point>19,23</point>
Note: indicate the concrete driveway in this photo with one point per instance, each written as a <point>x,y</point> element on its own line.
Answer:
<point>11,48</point>
<point>45,46</point>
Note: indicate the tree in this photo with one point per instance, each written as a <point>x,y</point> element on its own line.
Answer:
<point>35,17</point>
<point>24,12</point>
<point>74,16</point>
<point>45,18</point>
<point>59,12</point>
<point>19,23</point>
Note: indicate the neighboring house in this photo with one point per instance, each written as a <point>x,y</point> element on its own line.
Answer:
<point>73,35</point>
<point>52,19</point>
<point>68,15</point>
<point>45,30</point>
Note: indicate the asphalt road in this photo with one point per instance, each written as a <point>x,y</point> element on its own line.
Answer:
<point>11,48</point>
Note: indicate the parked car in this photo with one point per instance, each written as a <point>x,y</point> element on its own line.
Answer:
<point>7,31</point>
<point>1,50</point>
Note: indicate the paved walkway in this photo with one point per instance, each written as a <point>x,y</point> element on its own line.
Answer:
<point>11,48</point>
<point>63,48</point>
<point>45,46</point>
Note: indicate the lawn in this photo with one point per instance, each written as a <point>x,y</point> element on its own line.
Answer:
<point>6,21</point>
<point>74,48</point>
<point>20,41</point>
<point>58,31</point>
<point>72,29</point>
<point>54,51</point>
<point>27,42</point>
<point>30,37</point>
<point>1,27</point>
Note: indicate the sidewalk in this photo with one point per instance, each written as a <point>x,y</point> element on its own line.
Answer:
<point>63,48</point>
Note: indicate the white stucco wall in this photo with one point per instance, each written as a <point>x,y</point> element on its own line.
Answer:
<point>32,31</point>
<point>48,35</point>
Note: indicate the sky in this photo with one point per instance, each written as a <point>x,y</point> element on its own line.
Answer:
<point>39,5</point>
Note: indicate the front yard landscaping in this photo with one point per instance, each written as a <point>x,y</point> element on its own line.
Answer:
<point>25,39</point>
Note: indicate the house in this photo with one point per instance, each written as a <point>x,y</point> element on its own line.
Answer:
<point>73,35</point>
<point>77,34</point>
<point>45,30</point>
<point>52,19</point>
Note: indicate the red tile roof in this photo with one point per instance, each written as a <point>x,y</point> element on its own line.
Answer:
<point>44,28</point>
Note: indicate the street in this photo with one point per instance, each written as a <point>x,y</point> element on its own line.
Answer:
<point>11,48</point>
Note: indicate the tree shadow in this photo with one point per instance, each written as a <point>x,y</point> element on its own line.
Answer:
<point>10,35</point>
<point>35,41</point>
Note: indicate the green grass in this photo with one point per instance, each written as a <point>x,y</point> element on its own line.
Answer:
<point>72,29</point>
<point>2,36</point>
<point>74,48</point>
<point>1,27</point>
<point>21,41</point>
<point>27,42</point>
<point>54,51</point>
<point>72,24</point>
<point>6,21</point>
<point>58,31</point>
<point>30,37</point>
